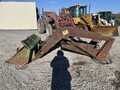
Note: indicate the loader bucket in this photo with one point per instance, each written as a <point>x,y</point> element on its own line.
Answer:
<point>22,57</point>
<point>106,30</point>
<point>26,54</point>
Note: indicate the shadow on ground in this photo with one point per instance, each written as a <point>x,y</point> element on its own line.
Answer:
<point>61,78</point>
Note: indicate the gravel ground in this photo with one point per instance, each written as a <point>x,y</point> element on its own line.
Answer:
<point>80,73</point>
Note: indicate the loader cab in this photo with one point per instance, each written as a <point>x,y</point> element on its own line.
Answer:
<point>106,15</point>
<point>78,10</point>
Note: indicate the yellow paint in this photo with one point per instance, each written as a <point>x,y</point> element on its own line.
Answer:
<point>65,32</point>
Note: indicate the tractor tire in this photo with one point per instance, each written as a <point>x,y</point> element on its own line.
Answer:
<point>41,27</point>
<point>49,30</point>
<point>84,27</point>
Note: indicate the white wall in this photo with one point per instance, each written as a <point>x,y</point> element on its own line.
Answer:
<point>18,15</point>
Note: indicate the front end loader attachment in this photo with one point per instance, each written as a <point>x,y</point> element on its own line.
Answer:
<point>27,53</point>
<point>22,57</point>
<point>70,38</point>
<point>87,48</point>
<point>106,30</point>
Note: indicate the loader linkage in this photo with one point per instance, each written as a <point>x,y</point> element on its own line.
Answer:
<point>70,38</point>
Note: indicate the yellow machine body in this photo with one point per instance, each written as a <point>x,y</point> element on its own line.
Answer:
<point>81,18</point>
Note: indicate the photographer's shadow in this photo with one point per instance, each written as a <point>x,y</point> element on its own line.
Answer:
<point>61,78</point>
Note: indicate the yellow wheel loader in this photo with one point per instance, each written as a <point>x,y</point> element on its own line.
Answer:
<point>88,21</point>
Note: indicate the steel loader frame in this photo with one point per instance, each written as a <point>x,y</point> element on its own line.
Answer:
<point>66,37</point>
<point>69,38</point>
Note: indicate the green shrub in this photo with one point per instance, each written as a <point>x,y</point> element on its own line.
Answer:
<point>117,21</point>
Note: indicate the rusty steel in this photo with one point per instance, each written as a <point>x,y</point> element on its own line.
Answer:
<point>59,21</point>
<point>66,32</point>
<point>65,36</point>
<point>27,53</point>
<point>82,48</point>
<point>22,57</point>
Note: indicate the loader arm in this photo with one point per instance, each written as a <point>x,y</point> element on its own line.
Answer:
<point>34,48</point>
<point>67,32</point>
<point>88,20</point>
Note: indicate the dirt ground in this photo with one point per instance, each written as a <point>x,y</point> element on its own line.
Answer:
<point>71,71</point>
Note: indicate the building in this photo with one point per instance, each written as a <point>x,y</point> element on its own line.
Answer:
<point>18,16</point>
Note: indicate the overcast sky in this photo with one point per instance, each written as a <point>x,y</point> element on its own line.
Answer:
<point>55,5</point>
